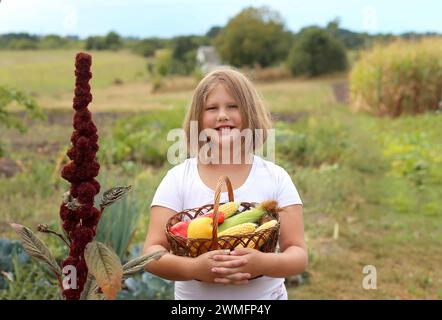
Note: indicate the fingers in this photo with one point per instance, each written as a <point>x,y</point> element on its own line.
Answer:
<point>225,257</point>
<point>237,279</point>
<point>231,264</point>
<point>240,251</point>
<point>213,253</point>
<point>223,271</point>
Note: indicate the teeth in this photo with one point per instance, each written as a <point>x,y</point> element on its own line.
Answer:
<point>224,130</point>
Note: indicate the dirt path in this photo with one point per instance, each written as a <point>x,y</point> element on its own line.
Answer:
<point>341,92</point>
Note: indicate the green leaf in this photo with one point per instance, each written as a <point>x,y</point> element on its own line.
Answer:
<point>136,265</point>
<point>35,247</point>
<point>90,289</point>
<point>104,264</point>
<point>113,194</point>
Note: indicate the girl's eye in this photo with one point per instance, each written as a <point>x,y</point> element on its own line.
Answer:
<point>233,106</point>
<point>211,108</point>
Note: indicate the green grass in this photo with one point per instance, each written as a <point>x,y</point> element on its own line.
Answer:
<point>42,72</point>
<point>297,96</point>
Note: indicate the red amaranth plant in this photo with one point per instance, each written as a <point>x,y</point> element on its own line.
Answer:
<point>79,216</point>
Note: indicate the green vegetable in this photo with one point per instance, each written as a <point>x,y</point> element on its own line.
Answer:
<point>252,215</point>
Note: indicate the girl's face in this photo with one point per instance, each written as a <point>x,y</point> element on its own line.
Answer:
<point>222,113</point>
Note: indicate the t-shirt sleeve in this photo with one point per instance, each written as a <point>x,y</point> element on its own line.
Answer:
<point>287,194</point>
<point>168,194</point>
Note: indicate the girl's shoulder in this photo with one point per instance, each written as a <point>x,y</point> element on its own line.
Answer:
<point>183,169</point>
<point>271,167</point>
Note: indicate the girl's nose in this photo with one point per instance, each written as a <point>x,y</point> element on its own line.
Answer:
<point>222,114</point>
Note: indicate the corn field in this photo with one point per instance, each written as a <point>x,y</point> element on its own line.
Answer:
<point>402,78</point>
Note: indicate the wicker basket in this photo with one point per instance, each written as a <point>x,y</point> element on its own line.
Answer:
<point>265,240</point>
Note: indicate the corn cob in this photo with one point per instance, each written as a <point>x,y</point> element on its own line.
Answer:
<point>252,215</point>
<point>238,229</point>
<point>267,225</point>
<point>228,209</point>
<point>255,240</point>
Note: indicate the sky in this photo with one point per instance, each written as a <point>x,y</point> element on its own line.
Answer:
<point>168,18</point>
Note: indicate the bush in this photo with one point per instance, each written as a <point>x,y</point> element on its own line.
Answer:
<point>11,119</point>
<point>415,153</point>
<point>10,250</point>
<point>401,78</point>
<point>163,62</point>
<point>310,143</point>
<point>118,225</point>
<point>53,42</point>
<point>112,41</point>
<point>142,138</point>
<point>316,52</point>
<point>184,54</point>
<point>254,36</point>
<point>147,47</point>
<point>30,282</point>
<point>145,286</point>
<point>22,278</point>
<point>179,59</point>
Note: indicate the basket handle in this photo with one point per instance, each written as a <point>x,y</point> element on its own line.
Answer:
<point>221,180</point>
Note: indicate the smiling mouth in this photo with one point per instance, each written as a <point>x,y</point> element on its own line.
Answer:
<point>226,128</point>
<point>222,131</point>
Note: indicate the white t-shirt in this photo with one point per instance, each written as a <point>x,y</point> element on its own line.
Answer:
<point>182,188</point>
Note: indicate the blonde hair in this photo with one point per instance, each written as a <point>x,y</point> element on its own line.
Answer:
<point>253,111</point>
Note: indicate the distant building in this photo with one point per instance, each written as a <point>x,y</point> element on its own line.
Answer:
<point>207,58</point>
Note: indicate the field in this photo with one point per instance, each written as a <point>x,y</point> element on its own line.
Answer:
<point>370,186</point>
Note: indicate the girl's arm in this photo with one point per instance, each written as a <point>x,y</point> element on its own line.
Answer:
<point>178,268</point>
<point>292,260</point>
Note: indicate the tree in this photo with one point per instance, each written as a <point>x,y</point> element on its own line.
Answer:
<point>315,51</point>
<point>23,44</point>
<point>53,41</point>
<point>163,62</point>
<point>148,46</point>
<point>333,27</point>
<point>254,36</point>
<point>113,41</point>
<point>213,32</point>
<point>184,54</point>
<point>95,43</point>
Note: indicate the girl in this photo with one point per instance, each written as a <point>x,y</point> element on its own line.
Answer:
<point>225,103</point>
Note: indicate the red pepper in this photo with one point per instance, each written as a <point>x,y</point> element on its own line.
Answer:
<point>220,216</point>
<point>180,229</point>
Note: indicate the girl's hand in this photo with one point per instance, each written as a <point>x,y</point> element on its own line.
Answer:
<point>205,263</point>
<point>253,262</point>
